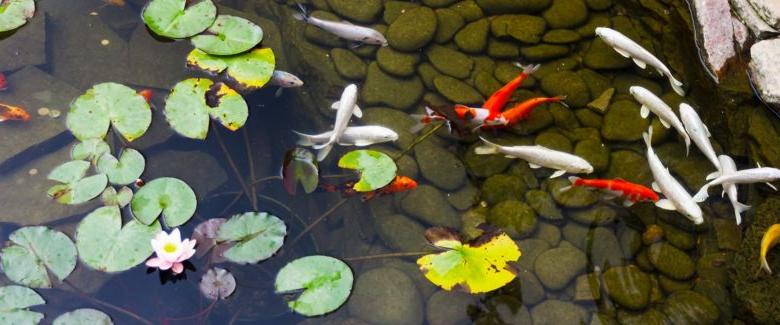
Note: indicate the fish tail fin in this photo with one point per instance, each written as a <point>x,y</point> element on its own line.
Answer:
<point>702,194</point>
<point>573,179</point>
<point>647,136</point>
<point>304,139</point>
<point>687,144</point>
<point>561,99</point>
<point>765,265</point>
<point>419,126</point>
<point>324,150</point>
<point>713,175</point>
<point>528,69</point>
<point>677,85</point>
<point>303,15</point>
<point>487,149</point>
<point>738,209</point>
<point>565,188</point>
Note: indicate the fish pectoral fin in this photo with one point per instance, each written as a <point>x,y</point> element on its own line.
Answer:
<point>278,92</point>
<point>772,186</point>
<point>534,166</point>
<point>665,123</point>
<point>623,53</point>
<point>665,204</point>
<point>335,105</point>
<point>712,175</point>
<point>656,187</point>
<point>707,130</point>
<point>644,111</point>
<point>508,156</point>
<point>363,143</point>
<point>347,22</point>
<point>357,112</point>
<point>557,173</point>
<point>628,203</point>
<point>640,63</point>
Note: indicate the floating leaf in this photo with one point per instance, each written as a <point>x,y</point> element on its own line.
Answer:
<point>109,104</point>
<point>247,71</point>
<point>229,35</point>
<point>217,283</point>
<point>83,316</point>
<point>326,283</point>
<point>90,150</point>
<point>480,266</point>
<point>15,13</point>
<point>191,102</point>
<point>125,170</point>
<point>34,250</point>
<point>69,172</point>
<point>111,197</point>
<point>206,234</point>
<point>376,169</point>
<point>170,196</point>
<point>76,189</point>
<point>257,236</point>
<point>300,166</point>
<point>14,301</point>
<point>105,245</point>
<point>179,18</point>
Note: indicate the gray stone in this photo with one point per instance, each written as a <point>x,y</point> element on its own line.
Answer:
<point>26,46</point>
<point>549,233</point>
<point>748,15</point>
<point>401,233</point>
<point>382,88</point>
<point>714,26</point>
<point>769,10</point>
<point>428,204</point>
<point>559,266</point>
<point>531,249</point>
<point>363,11</point>
<point>464,198</point>
<point>544,205</point>
<point>386,296</point>
<point>448,307</point>
<point>531,290</point>
<point>396,120</point>
<point>556,312</point>
<point>765,69</point>
<point>439,166</point>
<point>413,29</point>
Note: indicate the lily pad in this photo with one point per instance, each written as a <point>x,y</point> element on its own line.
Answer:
<point>205,234</point>
<point>14,301</point>
<point>109,104</point>
<point>191,101</point>
<point>179,18</point>
<point>229,35</point>
<point>125,170</point>
<point>217,283</point>
<point>36,250</point>
<point>480,266</point>
<point>121,198</point>
<point>300,166</point>
<point>90,150</point>
<point>246,71</point>
<point>83,316</point>
<point>15,13</point>
<point>376,169</point>
<point>170,196</point>
<point>69,172</point>
<point>257,236</point>
<point>76,188</point>
<point>326,283</point>
<point>104,244</point>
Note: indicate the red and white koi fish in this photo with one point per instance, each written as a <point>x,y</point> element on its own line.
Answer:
<point>477,118</point>
<point>495,104</point>
<point>13,113</point>
<point>426,119</point>
<point>522,110</point>
<point>344,29</point>
<point>3,82</point>
<point>616,187</point>
<point>398,185</point>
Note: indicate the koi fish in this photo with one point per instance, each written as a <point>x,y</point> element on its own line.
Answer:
<point>477,118</point>
<point>13,113</point>
<point>284,79</point>
<point>677,198</point>
<point>539,156</point>
<point>499,98</point>
<point>698,132</point>
<point>745,176</point>
<point>146,94</point>
<point>642,58</point>
<point>3,82</point>
<point>426,119</point>
<point>616,187</point>
<point>360,136</point>
<point>770,239</point>
<point>398,185</point>
<point>651,103</point>
<point>727,167</point>
<point>345,108</point>
<point>345,30</point>
<point>522,110</point>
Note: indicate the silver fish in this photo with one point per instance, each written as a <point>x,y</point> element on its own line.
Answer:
<point>651,103</point>
<point>727,166</point>
<point>539,156</point>
<point>345,30</point>
<point>346,107</point>
<point>698,132</point>
<point>284,79</point>
<point>744,176</point>
<point>353,136</point>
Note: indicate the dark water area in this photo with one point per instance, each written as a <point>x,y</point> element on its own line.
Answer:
<point>584,259</point>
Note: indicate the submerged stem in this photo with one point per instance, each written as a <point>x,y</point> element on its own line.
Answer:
<point>232,164</point>
<point>251,163</point>
<point>102,303</point>
<point>203,312</point>
<point>371,257</point>
<point>317,221</point>
<point>417,141</point>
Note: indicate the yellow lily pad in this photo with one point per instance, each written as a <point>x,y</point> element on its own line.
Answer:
<point>246,71</point>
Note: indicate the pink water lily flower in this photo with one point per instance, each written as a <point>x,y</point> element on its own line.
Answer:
<point>171,251</point>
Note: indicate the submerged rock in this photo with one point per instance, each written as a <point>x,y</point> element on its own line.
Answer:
<point>429,205</point>
<point>449,23</point>
<point>502,187</point>
<point>25,47</point>
<point>531,249</point>
<point>566,13</point>
<point>448,308</point>
<point>457,91</point>
<point>397,63</point>
<point>363,11</point>
<point>671,261</point>
<point>439,166</point>
<point>468,9</point>
<point>559,266</point>
<point>556,312</point>
<point>382,88</point>
<point>473,37</point>
<point>595,152</point>
<point>575,197</point>
<point>601,56</point>
<point>569,84</point>
<point>413,29</point>
<point>630,166</point>
<point>524,28</point>
<point>449,61</point>
<point>514,217</point>
<point>543,52</point>
<point>623,122</point>
<point>765,69</point>
<point>393,119</point>
<point>347,64</point>
<point>401,233</point>
<point>689,307</point>
<point>628,286</point>
<point>561,36</point>
<point>386,296</point>
<point>544,205</point>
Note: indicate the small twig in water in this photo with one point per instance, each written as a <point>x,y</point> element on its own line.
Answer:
<point>231,162</point>
<point>204,312</point>
<point>417,141</point>
<point>371,257</point>
<point>265,179</point>
<point>317,221</point>
<point>251,162</point>
<point>106,304</point>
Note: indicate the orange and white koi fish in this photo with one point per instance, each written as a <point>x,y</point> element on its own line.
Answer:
<point>13,113</point>
<point>146,94</point>
<point>398,185</point>
<point>770,239</point>
<point>3,82</point>
<point>495,104</point>
<point>616,187</point>
<point>426,119</point>
<point>477,118</point>
<point>522,110</point>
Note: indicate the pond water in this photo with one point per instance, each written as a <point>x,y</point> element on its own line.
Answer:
<point>585,259</point>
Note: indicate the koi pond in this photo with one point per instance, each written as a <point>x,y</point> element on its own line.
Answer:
<point>380,162</point>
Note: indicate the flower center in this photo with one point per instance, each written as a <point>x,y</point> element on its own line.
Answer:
<point>169,247</point>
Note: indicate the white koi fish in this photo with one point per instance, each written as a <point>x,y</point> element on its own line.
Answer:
<point>344,29</point>
<point>728,167</point>
<point>698,132</point>
<point>539,156</point>
<point>651,103</point>
<point>345,108</point>
<point>677,198</point>
<point>744,176</point>
<point>353,136</point>
<point>630,49</point>
<point>284,79</point>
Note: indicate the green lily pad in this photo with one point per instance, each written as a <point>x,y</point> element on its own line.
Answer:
<point>104,244</point>
<point>257,236</point>
<point>300,166</point>
<point>76,188</point>
<point>170,196</point>
<point>191,101</point>
<point>14,301</point>
<point>326,283</point>
<point>246,71</point>
<point>83,316</point>
<point>376,169</point>
<point>124,170</point>
<point>36,250</point>
<point>179,18</point>
<point>109,104</point>
<point>69,172</point>
<point>90,150</point>
<point>121,198</point>
<point>15,13</point>
<point>229,35</point>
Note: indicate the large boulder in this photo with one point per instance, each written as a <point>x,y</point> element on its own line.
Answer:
<point>765,69</point>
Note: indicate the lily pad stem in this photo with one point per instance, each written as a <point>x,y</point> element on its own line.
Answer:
<point>419,139</point>
<point>317,221</point>
<point>251,163</point>
<point>99,302</point>
<point>371,257</point>
<point>232,163</point>
<point>199,314</point>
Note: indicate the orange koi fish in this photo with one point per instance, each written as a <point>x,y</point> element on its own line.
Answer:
<point>617,187</point>
<point>13,113</point>
<point>479,117</point>
<point>3,82</point>
<point>146,94</point>
<point>522,110</point>
<point>499,98</point>
<point>398,185</point>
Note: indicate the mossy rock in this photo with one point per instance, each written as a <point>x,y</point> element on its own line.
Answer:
<point>538,120</point>
<point>449,23</point>
<point>393,9</point>
<point>628,286</point>
<point>368,51</point>
<point>544,205</point>
<point>486,84</point>
<point>464,198</point>
<point>457,91</point>
<point>502,49</point>
<point>348,65</point>
<point>630,166</point>
<point>393,119</point>
<point>506,7</point>
<point>513,216</point>
<point>557,65</point>
<point>553,140</point>
<point>473,37</point>
<point>401,233</point>
<point>589,118</point>
<point>595,152</point>
<point>543,52</point>
<point>363,11</point>
<point>400,64</point>
<point>319,36</point>
<point>429,205</point>
<point>427,73</point>
<point>484,165</point>
<point>439,166</point>
<point>381,88</point>
<point>623,122</point>
<point>599,4</point>
<point>600,214</point>
<point>521,169</point>
<point>561,36</point>
<point>601,102</point>
<point>449,61</point>
<point>468,9</point>
<point>671,261</point>
<point>690,307</point>
<point>583,133</point>
<point>506,71</point>
<point>524,28</point>
<point>601,56</point>
<point>569,84</point>
<point>566,13</point>
<point>595,20</point>
<point>563,116</point>
<point>597,83</point>
<point>502,187</point>
<point>624,81</point>
<point>603,248</point>
<point>438,3</point>
<point>413,29</point>
<point>557,267</point>
<point>575,197</point>
<point>671,285</point>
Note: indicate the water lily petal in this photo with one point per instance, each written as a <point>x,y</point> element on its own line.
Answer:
<point>175,236</point>
<point>164,265</point>
<point>154,262</point>
<point>177,268</point>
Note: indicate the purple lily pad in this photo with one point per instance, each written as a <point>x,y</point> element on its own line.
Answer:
<point>217,283</point>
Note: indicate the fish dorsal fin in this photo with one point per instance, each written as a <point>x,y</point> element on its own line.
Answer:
<point>623,52</point>
<point>534,166</point>
<point>347,22</point>
<point>640,63</point>
<point>707,130</point>
<point>772,186</point>
<point>335,105</point>
<point>665,204</point>
<point>628,203</point>
<point>644,111</point>
<point>357,112</point>
<point>665,123</point>
<point>656,187</point>
<point>278,92</point>
<point>509,156</point>
<point>713,175</point>
<point>557,173</point>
